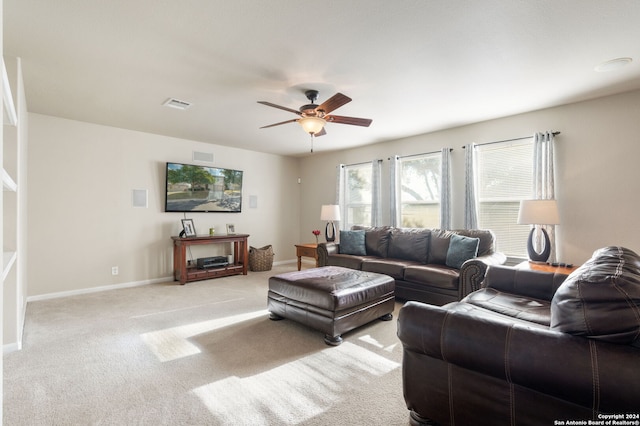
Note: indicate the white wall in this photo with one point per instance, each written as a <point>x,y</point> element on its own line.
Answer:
<point>597,180</point>
<point>81,221</point>
<point>81,175</point>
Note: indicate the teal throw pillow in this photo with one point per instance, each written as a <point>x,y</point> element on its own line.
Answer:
<point>352,242</point>
<point>461,249</point>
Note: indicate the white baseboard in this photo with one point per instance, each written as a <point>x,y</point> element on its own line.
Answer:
<point>11,347</point>
<point>97,289</point>
<point>285,262</point>
<point>124,285</point>
<point>117,286</point>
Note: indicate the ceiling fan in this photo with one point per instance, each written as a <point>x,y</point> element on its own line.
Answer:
<point>313,117</point>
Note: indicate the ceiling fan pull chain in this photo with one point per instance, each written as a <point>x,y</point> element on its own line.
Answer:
<point>311,141</point>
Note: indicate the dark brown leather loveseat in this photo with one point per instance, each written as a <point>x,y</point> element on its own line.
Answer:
<point>529,348</point>
<point>420,260</point>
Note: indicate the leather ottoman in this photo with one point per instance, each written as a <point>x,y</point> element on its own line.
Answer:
<point>331,299</point>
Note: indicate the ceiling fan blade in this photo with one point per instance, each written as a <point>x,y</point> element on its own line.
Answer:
<point>280,107</point>
<point>282,122</point>
<point>334,102</point>
<point>340,119</point>
<point>320,133</point>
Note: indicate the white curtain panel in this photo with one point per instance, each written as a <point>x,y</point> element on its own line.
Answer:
<point>394,218</point>
<point>470,205</point>
<point>376,193</point>
<point>340,179</point>
<point>544,183</point>
<point>445,190</point>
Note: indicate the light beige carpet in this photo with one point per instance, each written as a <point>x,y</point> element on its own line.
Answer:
<point>200,354</point>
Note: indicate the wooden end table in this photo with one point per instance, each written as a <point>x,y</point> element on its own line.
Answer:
<point>306,250</point>
<point>545,267</point>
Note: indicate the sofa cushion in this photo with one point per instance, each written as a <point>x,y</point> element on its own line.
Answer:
<point>346,261</point>
<point>409,244</point>
<point>601,299</point>
<point>523,282</point>
<point>352,242</point>
<point>433,276</point>
<point>439,246</point>
<point>376,239</point>
<point>512,305</point>
<point>393,268</point>
<point>460,250</point>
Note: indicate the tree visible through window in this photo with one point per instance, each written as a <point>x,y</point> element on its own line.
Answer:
<point>420,183</point>
<point>504,176</point>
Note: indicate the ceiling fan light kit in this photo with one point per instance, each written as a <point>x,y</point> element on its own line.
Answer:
<point>312,125</point>
<point>314,117</point>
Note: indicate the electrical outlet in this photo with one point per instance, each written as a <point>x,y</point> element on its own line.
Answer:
<point>114,270</point>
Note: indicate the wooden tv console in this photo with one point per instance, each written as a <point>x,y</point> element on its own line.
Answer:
<point>184,272</point>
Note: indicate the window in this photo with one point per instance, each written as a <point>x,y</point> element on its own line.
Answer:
<point>358,195</point>
<point>504,176</point>
<point>420,183</point>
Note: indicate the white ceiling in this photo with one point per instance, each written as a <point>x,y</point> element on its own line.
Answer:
<point>413,66</point>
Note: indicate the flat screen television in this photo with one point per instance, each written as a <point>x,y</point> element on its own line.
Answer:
<point>191,188</point>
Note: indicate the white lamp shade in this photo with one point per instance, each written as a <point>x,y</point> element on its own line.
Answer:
<point>538,212</point>
<point>330,212</point>
<point>312,125</point>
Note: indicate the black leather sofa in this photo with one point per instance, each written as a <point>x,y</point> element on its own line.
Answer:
<point>529,348</point>
<point>418,260</point>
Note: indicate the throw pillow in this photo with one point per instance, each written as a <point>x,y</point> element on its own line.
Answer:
<point>461,249</point>
<point>352,242</point>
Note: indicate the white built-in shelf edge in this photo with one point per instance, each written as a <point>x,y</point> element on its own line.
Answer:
<point>8,184</point>
<point>8,259</point>
<point>10,116</point>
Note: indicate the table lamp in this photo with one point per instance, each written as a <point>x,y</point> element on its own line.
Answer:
<point>538,212</point>
<point>330,212</point>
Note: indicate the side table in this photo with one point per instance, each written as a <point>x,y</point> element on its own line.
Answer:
<point>306,250</point>
<point>545,267</point>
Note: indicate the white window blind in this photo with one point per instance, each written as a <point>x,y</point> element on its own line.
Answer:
<point>420,183</point>
<point>358,195</point>
<point>504,176</point>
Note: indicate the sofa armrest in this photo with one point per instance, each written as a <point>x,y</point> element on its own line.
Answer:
<point>324,250</point>
<point>583,371</point>
<point>472,271</point>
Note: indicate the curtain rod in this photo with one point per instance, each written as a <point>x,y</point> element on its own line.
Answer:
<point>424,153</point>
<point>359,164</point>
<point>509,140</point>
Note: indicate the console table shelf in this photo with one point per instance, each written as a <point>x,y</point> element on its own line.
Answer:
<point>185,273</point>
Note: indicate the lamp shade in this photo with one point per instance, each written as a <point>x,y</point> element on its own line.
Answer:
<point>312,125</point>
<point>538,212</point>
<point>330,212</point>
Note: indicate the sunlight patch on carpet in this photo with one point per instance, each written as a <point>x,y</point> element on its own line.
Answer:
<point>172,343</point>
<point>297,391</point>
<point>374,342</point>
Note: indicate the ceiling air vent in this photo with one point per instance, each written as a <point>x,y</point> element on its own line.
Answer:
<point>176,103</point>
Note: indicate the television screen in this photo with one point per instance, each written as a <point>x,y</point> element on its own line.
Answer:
<point>191,188</point>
